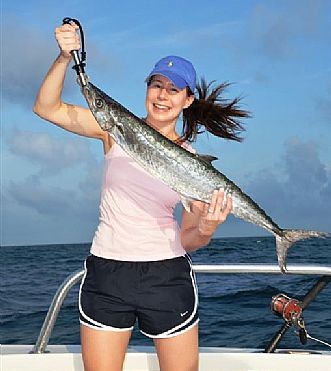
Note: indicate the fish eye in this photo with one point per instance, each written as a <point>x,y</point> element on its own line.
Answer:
<point>99,103</point>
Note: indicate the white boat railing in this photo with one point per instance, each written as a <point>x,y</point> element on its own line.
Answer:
<point>68,283</point>
<point>262,268</point>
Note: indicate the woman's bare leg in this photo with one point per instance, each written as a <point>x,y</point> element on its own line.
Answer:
<point>180,352</point>
<point>103,350</point>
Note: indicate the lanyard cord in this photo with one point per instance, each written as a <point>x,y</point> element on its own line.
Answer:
<point>79,62</point>
<point>68,20</point>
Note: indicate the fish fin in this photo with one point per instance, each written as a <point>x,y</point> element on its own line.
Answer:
<point>186,203</point>
<point>288,238</point>
<point>207,158</point>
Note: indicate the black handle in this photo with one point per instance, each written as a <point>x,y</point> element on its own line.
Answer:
<point>79,64</point>
<point>314,291</point>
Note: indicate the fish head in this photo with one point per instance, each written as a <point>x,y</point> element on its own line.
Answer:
<point>101,106</point>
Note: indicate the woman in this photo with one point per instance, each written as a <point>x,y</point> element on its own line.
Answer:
<point>139,268</point>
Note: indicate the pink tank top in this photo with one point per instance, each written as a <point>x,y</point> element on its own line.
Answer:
<point>136,213</point>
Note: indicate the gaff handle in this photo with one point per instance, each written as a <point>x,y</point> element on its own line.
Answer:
<point>79,64</point>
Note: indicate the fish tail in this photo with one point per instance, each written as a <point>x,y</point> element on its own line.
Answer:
<point>287,238</point>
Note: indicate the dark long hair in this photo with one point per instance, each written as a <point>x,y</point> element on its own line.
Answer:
<point>210,112</point>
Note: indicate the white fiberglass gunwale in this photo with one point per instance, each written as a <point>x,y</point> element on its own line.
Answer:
<point>68,358</point>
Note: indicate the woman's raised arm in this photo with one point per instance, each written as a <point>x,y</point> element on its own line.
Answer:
<point>49,104</point>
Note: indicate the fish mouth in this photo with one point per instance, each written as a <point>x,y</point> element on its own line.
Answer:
<point>88,94</point>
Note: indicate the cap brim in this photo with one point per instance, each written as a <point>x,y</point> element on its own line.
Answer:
<point>173,77</point>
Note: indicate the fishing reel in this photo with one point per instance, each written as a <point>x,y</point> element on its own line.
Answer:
<point>291,311</point>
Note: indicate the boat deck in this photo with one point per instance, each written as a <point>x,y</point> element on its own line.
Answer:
<point>141,358</point>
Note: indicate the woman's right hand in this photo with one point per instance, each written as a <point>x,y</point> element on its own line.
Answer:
<point>49,104</point>
<point>67,39</point>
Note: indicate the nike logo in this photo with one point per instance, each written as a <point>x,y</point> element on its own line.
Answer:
<point>184,313</point>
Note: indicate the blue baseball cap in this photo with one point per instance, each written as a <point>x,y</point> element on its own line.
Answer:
<point>179,70</point>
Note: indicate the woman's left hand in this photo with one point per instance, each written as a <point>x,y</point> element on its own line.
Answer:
<point>214,213</point>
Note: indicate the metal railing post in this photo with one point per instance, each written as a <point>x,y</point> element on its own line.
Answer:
<point>54,309</point>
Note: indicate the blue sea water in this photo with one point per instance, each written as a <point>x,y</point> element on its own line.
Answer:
<point>234,309</point>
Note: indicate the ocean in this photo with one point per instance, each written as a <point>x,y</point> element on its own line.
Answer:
<point>234,309</point>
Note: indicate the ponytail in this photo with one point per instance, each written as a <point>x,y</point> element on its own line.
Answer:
<point>210,112</point>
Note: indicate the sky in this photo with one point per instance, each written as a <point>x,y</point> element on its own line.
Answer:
<point>276,56</point>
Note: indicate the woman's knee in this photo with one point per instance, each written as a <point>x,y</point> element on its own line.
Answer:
<point>180,352</point>
<point>103,350</point>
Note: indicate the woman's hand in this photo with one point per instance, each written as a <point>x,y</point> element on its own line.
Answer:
<point>67,39</point>
<point>199,225</point>
<point>214,213</point>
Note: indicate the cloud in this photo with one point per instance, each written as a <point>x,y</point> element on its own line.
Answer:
<point>61,193</point>
<point>279,37</point>
<point>298,190</point>
<point>55,201</point>
<point>47,213</point>
<point>26,221</point>
<point>46,200</point>
<point>71,198</point>
<point>303,166</point>
<point>26,56</point>
<point>276,30</point>
<point>51,154</point>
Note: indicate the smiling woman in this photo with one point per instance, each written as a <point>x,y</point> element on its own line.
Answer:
<point>164,103</point>
<point>139,267</point>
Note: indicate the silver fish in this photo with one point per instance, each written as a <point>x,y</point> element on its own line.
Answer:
<point>189,174</point>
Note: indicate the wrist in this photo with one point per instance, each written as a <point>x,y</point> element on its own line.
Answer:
<point>64,58</point>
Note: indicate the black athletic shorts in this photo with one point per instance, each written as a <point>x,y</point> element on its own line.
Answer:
<point>162,295</point>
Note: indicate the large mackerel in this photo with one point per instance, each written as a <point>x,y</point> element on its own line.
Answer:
<point>189,174</point>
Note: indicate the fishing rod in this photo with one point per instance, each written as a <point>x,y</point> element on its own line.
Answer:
<point>79,65</point>
<point>291,311</point>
